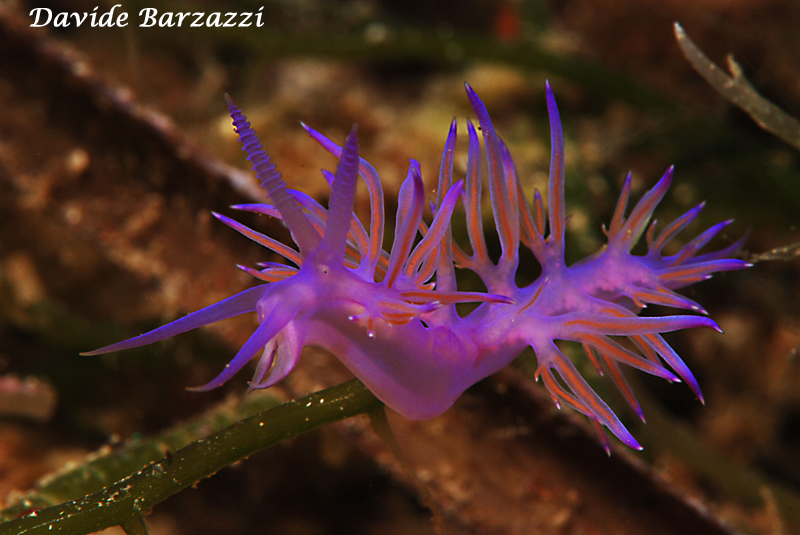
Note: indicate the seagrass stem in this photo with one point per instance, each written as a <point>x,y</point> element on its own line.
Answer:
<point>125,500</point>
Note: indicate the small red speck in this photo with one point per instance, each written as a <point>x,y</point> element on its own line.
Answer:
<point>508,24</point>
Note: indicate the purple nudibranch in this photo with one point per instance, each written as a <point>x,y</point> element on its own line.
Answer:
<point>390,317</point>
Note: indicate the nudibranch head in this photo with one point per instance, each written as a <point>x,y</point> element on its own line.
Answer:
<point>390,316</point>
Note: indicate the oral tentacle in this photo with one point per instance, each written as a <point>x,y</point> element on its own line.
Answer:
<point>288,347</point>
<point>278,317</point>
<point>235,305</point>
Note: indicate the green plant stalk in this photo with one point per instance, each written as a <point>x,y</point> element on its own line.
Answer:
<point>118,503</point>
<point>739,91</point>
<point>107,467</point>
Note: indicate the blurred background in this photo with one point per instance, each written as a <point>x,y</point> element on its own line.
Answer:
<point>115,145</point>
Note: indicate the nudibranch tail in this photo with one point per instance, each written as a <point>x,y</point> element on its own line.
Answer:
<point>390,316</point>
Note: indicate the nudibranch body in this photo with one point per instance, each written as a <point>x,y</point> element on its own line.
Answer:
<point>390,317</point>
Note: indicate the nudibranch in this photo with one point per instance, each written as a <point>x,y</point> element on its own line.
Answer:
<point>391,318</point>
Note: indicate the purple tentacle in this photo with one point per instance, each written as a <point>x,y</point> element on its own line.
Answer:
<point>472,202</point>
<point>340,211</point>
<point>555,189</point>
<point>270,326</point>
<point>626,326</point>
<point>616,376</point>
<point>657,343</point>
<point>445,271</point>
<point>436,233</point>
<point>270,243</point>
<point>304,234</point>
<point>640,215</point>
<point>580,396</point>
<point>377,216</point>
<point>690,272</point>
<point>688,251</point>
<point>264,366</point>
<point>530,235</point>
<point>672,230</point>
<point>409,214</point>
<point>726,252</point>
<point>446,166</point>
<point>666,297</point>
<point>504,202</point>
<point>618,219</point>
<point>227,308</point>
<point>285,358</point>
<point>611,349</point>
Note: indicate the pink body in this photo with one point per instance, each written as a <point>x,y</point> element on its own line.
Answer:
<point>386,319</point>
